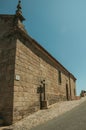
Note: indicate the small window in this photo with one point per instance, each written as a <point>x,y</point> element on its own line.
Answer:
<point>59,77</point>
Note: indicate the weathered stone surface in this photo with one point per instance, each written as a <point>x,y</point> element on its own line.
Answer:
<point>32,69</point>
<point>23,65</point>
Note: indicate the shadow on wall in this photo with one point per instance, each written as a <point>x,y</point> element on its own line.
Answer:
<point>7,60</point>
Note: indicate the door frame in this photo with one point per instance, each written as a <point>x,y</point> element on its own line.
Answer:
<point>67,92</point>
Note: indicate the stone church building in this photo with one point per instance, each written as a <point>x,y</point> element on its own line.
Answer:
<point>30,77</point>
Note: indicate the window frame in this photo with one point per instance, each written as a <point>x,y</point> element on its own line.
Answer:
<point>59,77</point>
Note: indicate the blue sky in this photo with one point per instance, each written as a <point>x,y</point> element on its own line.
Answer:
<point>60,27</point>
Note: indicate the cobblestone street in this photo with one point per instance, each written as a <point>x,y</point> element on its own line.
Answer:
<point>42,116</point>
<point>71,120</point>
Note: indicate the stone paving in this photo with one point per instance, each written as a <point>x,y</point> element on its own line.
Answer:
<point>44,115</point>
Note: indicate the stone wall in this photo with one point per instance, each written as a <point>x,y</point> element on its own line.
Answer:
<point>25,89</point>
<point>6,25</point>
<point>7,58</point>
<point>73,89</point>
<point>7,64</point>
<point>23,65</point>
<point>31,67</point>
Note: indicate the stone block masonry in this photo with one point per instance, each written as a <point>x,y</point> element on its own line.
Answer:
<point>24,66</point>
<point>7,58</point>
<point>33,67</point>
